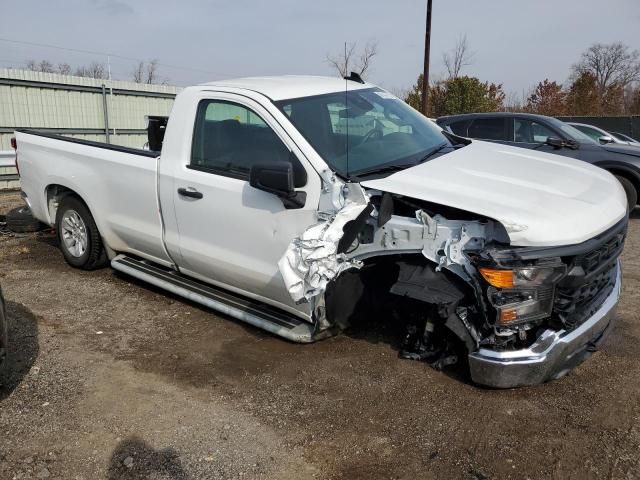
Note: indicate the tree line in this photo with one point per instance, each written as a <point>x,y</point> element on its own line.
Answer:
<point>143,72</point>
<point>604,81</point>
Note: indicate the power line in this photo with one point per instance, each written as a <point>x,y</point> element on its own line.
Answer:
<point>77,50</point>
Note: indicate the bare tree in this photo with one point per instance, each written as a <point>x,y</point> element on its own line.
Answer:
<point>513,102</point>
<point>350,61</point>
<point>458,58</point>
<point>64,69</point>
<point>94,70</point>
<point>152,72</point>
<point>46,67</point>
<point>146,72</point>
<point>138,72</point>
<point>366,56</point>
<point>612,66</point>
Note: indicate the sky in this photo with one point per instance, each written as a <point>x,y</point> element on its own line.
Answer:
<point>515,43</point>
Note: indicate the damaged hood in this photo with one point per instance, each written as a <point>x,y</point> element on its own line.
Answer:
<point>541,199</point>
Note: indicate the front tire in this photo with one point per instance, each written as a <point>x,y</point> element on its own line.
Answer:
<point>78,235</point>
<point>629,190</point>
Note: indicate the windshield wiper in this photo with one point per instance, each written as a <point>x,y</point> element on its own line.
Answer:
<point>384,169</point>
<point>432,152</point>
<point>394,167</point>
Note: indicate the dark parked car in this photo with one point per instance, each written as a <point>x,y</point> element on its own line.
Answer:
<point>547,134</point>
<point>599,135</point>
<point>3,330</point>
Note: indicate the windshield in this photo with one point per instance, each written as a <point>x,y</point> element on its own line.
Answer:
<point>572,132</point>
<point>362,130</point>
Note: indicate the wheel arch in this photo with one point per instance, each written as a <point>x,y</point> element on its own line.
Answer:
<point>54,193</point>
<point>401,276</point>
<point>623,171</point>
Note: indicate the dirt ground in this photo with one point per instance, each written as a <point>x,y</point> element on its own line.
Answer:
<point>111,379</point>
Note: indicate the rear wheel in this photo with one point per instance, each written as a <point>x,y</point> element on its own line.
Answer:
<point>630,190</point>
<point>78,234</point>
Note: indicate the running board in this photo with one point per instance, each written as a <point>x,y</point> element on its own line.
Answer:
<point>257,314</point>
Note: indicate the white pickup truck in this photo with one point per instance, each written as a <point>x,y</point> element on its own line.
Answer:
<point>270,202</point>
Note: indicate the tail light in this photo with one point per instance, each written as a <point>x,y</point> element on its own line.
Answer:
<point>14,145</point>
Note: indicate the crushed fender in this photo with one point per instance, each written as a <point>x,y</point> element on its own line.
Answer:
<point>312,260</point>
<point>445,240</point>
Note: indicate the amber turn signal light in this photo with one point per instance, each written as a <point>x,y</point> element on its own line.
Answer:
<point>508,315</point>
<point>498,278</point>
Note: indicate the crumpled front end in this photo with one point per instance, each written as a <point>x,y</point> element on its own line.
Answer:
<point>575,310</point>
<point>524,315</point>
<point>313,260</point>
<point>553,354</point>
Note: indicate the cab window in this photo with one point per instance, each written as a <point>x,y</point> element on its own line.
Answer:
<point>229,139</point>
<point>460,127</point>
<point>489,129</point>
<point>528,131</point>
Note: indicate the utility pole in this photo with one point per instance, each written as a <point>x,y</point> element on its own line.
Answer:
<point>427,53</point>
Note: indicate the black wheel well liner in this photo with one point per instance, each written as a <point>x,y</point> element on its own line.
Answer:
<point>55,193</point>
<point>407,278</point>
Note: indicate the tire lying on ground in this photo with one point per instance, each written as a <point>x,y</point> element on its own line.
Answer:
<point>20,220</point>
<point>78,234</point>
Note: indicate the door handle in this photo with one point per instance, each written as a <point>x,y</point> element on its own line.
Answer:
<point>190,192</point>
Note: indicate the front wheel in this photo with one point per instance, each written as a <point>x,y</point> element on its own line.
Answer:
<point>78,234</point>
<point>629,190</point>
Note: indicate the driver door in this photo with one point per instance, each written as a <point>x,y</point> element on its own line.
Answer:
<point>229,233</point>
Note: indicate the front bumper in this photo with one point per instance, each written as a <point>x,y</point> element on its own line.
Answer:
<point>551,356</point>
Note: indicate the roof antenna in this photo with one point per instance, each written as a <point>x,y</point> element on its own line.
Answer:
<point>355,77</point>
<point>346,102</point>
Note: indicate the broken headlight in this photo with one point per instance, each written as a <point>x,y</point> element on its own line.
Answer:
<point>522,295</point>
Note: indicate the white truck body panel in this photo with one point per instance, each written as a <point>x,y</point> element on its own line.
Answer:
<point>540,198</point>
<point>288,86</point>
<point>121,186</point>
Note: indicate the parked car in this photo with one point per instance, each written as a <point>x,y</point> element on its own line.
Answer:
<point>4,330</point>
<point>548,134</point>
<point>625,138</point>
<point>258,207</point>
<point>599,135</point>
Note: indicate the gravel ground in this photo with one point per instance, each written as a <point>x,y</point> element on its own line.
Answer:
<point>110,378</point>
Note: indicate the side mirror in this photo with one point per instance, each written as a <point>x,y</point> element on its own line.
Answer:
<point>277,178</point>
<point>555,142</point>
<point>605,139</point>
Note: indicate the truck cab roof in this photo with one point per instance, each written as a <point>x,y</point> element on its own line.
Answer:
<point>289,86</point>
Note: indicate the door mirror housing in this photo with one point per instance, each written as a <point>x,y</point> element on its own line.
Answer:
<point>605,139</point>
<point>555,142</point>
<point>277,178</point>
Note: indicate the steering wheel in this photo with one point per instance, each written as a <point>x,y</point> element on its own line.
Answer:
<point>375,132</point>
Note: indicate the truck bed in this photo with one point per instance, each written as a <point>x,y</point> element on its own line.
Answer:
<point>108,146</point>
<point>119,185</point>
